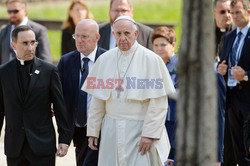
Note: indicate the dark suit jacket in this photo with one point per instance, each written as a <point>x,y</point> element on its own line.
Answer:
<point>247,136</point>
<point>31,117</point>
<point>42,50</point>
<point>244,60</point>
<point>221,86</point>
<point>144,37</point>
<point>69,68</point>
<point>68,43</point>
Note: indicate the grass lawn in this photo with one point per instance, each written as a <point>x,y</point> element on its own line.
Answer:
<point>145,11</point>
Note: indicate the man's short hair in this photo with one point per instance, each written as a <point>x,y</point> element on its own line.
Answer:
<point>129,2</point>
<point>165,32</point>
<point>20,29</point>
<point>215,2</point>
<point>245,3</point>
<point>12,1</point>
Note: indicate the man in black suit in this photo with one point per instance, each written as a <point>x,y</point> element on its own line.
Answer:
<point>73,70</point>
<point>235,67</point>
<point>28,87</point>
<point>223,25</point>
<point>17,13</point>
<point>119,8</point>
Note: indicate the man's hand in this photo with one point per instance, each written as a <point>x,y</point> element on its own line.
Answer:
<point>238,73</point>
<point>62,150</point>
<point>93,142</point>
<point>222,68</point>
<point>145,144</point>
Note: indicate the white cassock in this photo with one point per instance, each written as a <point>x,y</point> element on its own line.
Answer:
<point>123,117</point>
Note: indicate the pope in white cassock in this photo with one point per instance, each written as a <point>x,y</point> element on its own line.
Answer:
<point>129,86</point>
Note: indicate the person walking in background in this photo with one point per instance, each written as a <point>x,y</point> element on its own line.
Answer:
<point>130,116</point>
<point>73,70</point>
<point>78,10</point>
<point>28,87</point>
<point>164,40</point>
<point>120,8</point>
<point>235,67</point>
<point>17,13</point>
<point>223,25</point>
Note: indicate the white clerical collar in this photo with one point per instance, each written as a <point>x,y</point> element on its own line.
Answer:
<point>20,60</point>
<point>91,56</point>
<point>131,50</point>
<point>222,29</point>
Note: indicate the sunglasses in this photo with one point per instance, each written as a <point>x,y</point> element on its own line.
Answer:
<point>13,11</point>
<point>224,11</point>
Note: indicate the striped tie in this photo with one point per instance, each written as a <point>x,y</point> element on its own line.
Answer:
<point>235,48</point>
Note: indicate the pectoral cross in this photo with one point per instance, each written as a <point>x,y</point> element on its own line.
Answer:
<point>119,89</point>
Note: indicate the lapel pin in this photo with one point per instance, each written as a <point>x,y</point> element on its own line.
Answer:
<point>37,72</point>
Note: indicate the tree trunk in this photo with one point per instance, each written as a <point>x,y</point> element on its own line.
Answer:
<point>197,100</point>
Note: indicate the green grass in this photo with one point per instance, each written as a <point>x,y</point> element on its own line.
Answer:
<point>145,11</point>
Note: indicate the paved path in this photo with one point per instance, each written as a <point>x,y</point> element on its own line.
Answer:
<point>68,160</point>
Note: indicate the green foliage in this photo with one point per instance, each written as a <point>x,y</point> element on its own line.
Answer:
<point>145,11</point>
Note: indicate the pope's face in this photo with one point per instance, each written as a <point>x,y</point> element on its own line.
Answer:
<point>25,45</point>
<point>222,14</point>
<point>125,34</point>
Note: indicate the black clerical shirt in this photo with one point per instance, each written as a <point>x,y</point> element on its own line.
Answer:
<point>23,72</point>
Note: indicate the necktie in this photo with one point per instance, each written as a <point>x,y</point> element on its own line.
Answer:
<point>81,118</point>
<point>235,48</point>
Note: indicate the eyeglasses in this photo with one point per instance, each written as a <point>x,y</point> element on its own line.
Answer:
<point>120,11</point>
<point>82,37</point>
<point>32,43</point>
<point>14,11</point>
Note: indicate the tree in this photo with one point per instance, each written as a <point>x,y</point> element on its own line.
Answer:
<point>197,99</point>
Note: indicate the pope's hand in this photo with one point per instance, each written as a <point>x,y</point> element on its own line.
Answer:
<point>145,144</point>
<point>62,150</point>
<point>93,142</point>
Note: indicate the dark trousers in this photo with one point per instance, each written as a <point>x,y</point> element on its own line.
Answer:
<point>81,144</point>
<point>84,155</point>
<point>238,109</point>
<point>28,158</point>
<point>228,155</point>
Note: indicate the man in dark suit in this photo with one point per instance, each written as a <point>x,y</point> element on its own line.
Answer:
<point>235,67</point>
<point>73,70</point>
<point>17,13</point>
<point>118,8</point>
<point>28,87</point>
<point>223,25</point>
<point>221,86</point>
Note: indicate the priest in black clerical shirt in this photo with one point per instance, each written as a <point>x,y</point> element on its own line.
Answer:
<point>223,25</point>
<point>28,87</point>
